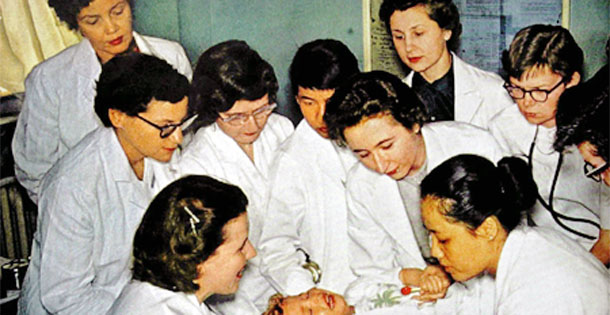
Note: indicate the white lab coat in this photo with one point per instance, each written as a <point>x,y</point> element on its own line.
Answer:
<point>479,94</point>
<point>143,298</point>
<point>90,207</point>
<point>58,108</point>
<point>543,272</point>
<point>382,242</point>
<point>575,195</point>
<point>307,210</point>
<point>212,152</point>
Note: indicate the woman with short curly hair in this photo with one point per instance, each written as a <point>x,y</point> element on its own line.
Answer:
<point>192,243</point>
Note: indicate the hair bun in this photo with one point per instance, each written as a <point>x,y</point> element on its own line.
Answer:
<point>518,188</point>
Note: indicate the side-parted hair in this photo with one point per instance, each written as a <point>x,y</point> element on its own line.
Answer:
<point>68,10</point>
<point>322,64</point>
<point>444,12</point>
<point>477,189</point>
<point>226,73</point>
<point>583,115</point>
<point>543,45</point>
<point>167,247</point>
<point>129,82</point>
<point>370,94</point>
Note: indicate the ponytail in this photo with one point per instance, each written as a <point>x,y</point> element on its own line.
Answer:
<point>518,190</point>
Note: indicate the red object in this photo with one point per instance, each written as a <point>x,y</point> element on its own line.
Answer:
<point>405,290</point>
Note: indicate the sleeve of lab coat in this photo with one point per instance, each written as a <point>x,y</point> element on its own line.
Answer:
<point>36,140</point>
<point>371,258</point>
<point>67,272</point>
<point>280,261</point>
<point>495,128</point>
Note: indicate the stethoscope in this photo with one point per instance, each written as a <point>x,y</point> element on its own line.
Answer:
<point>549,206</point>
<point>312,267</point>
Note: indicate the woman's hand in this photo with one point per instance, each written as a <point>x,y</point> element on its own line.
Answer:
<point>434,283</point>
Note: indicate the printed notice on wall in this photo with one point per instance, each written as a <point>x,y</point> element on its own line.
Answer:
<point>488,27</point>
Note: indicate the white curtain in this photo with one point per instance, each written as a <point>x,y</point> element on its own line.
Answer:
<point>30,32</point>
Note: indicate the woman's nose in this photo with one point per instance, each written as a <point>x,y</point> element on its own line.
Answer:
<point>380,163</point>
<point>250,251</point>
<point>177,136</point>
<point>434,250</point>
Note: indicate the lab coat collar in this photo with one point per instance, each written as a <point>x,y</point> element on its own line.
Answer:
<point>117,165</point>
<point>88,65</point>
<point>467,97</point>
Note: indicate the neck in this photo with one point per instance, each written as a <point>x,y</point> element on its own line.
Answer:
<point>438,70</point>
<point>420,158</point>
<point>249,149</point>
<point>135,158</point>
<point>496,246</point>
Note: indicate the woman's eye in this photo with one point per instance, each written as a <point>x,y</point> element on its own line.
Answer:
<point>419,34</point>
<point>91,21</point>
<point>363,155</point>
<point>388,146</point>
<point>398,37</point>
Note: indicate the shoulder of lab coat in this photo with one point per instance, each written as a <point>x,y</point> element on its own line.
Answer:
<point>168,50</point>
<point>479,94</point>
<point>142,298</point>
<point>512,131</point>
<point>91,203</point>
<point>445,139</point>
<point>563,276</point>
<point>381,242</point>
<point>58,108</point>
<point>307,194</point>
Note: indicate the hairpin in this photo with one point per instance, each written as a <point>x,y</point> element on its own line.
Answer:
<point>193,220</point>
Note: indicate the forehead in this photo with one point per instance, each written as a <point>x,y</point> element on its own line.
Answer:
<point>315,93</point>
<point>536,76</point>
<point>165,110</point>
<point>246,106</point>
<point>411,17</point>
<point>99,6</point>
<point>370,130</point>
<point>236,229</point>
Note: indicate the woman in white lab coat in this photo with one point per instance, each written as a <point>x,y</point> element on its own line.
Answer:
<point>58,107</point>
<point>192,243</point>
<point>234,92</point>
<point>582,124</point>
<point>383,123</point>
<point>542,63</point>
<point>307,182</point>
<point>92,200</point>
<point>473,210</point>
<point>425,33</point>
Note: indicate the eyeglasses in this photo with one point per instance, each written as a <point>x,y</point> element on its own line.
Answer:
<point>242,118</point>
<point>538,95</point>
<point>595,172</point>
<point>168,129</point>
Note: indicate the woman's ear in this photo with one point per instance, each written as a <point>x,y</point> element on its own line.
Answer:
<point>447,35</point>
<point>116,117</point>
<point>488,229</point>
<point>574,80</point>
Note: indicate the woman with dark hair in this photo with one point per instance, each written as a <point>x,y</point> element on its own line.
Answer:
<point>543,62</point>
<point>192,243</point>
<point>59,93</point>
<point>307,194</point>
<point>383,122</point>
<point>582,122</point>
<point>426,34</point>
<point>92,200</point>
<point>473,210</point>
<point>234,92</point>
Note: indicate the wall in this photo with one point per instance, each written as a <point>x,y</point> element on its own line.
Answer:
<point>274,28</point>
<point>590,25</point>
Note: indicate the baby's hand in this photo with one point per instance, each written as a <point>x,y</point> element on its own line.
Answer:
<point>434,283</point>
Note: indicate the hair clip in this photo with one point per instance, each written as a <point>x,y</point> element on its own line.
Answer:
<point>193,219</point>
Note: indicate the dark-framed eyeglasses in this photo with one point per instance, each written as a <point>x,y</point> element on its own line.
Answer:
<point>538,95</point>
<point>595,173</point>
<point>241,118</point>
<point>167,130</point>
